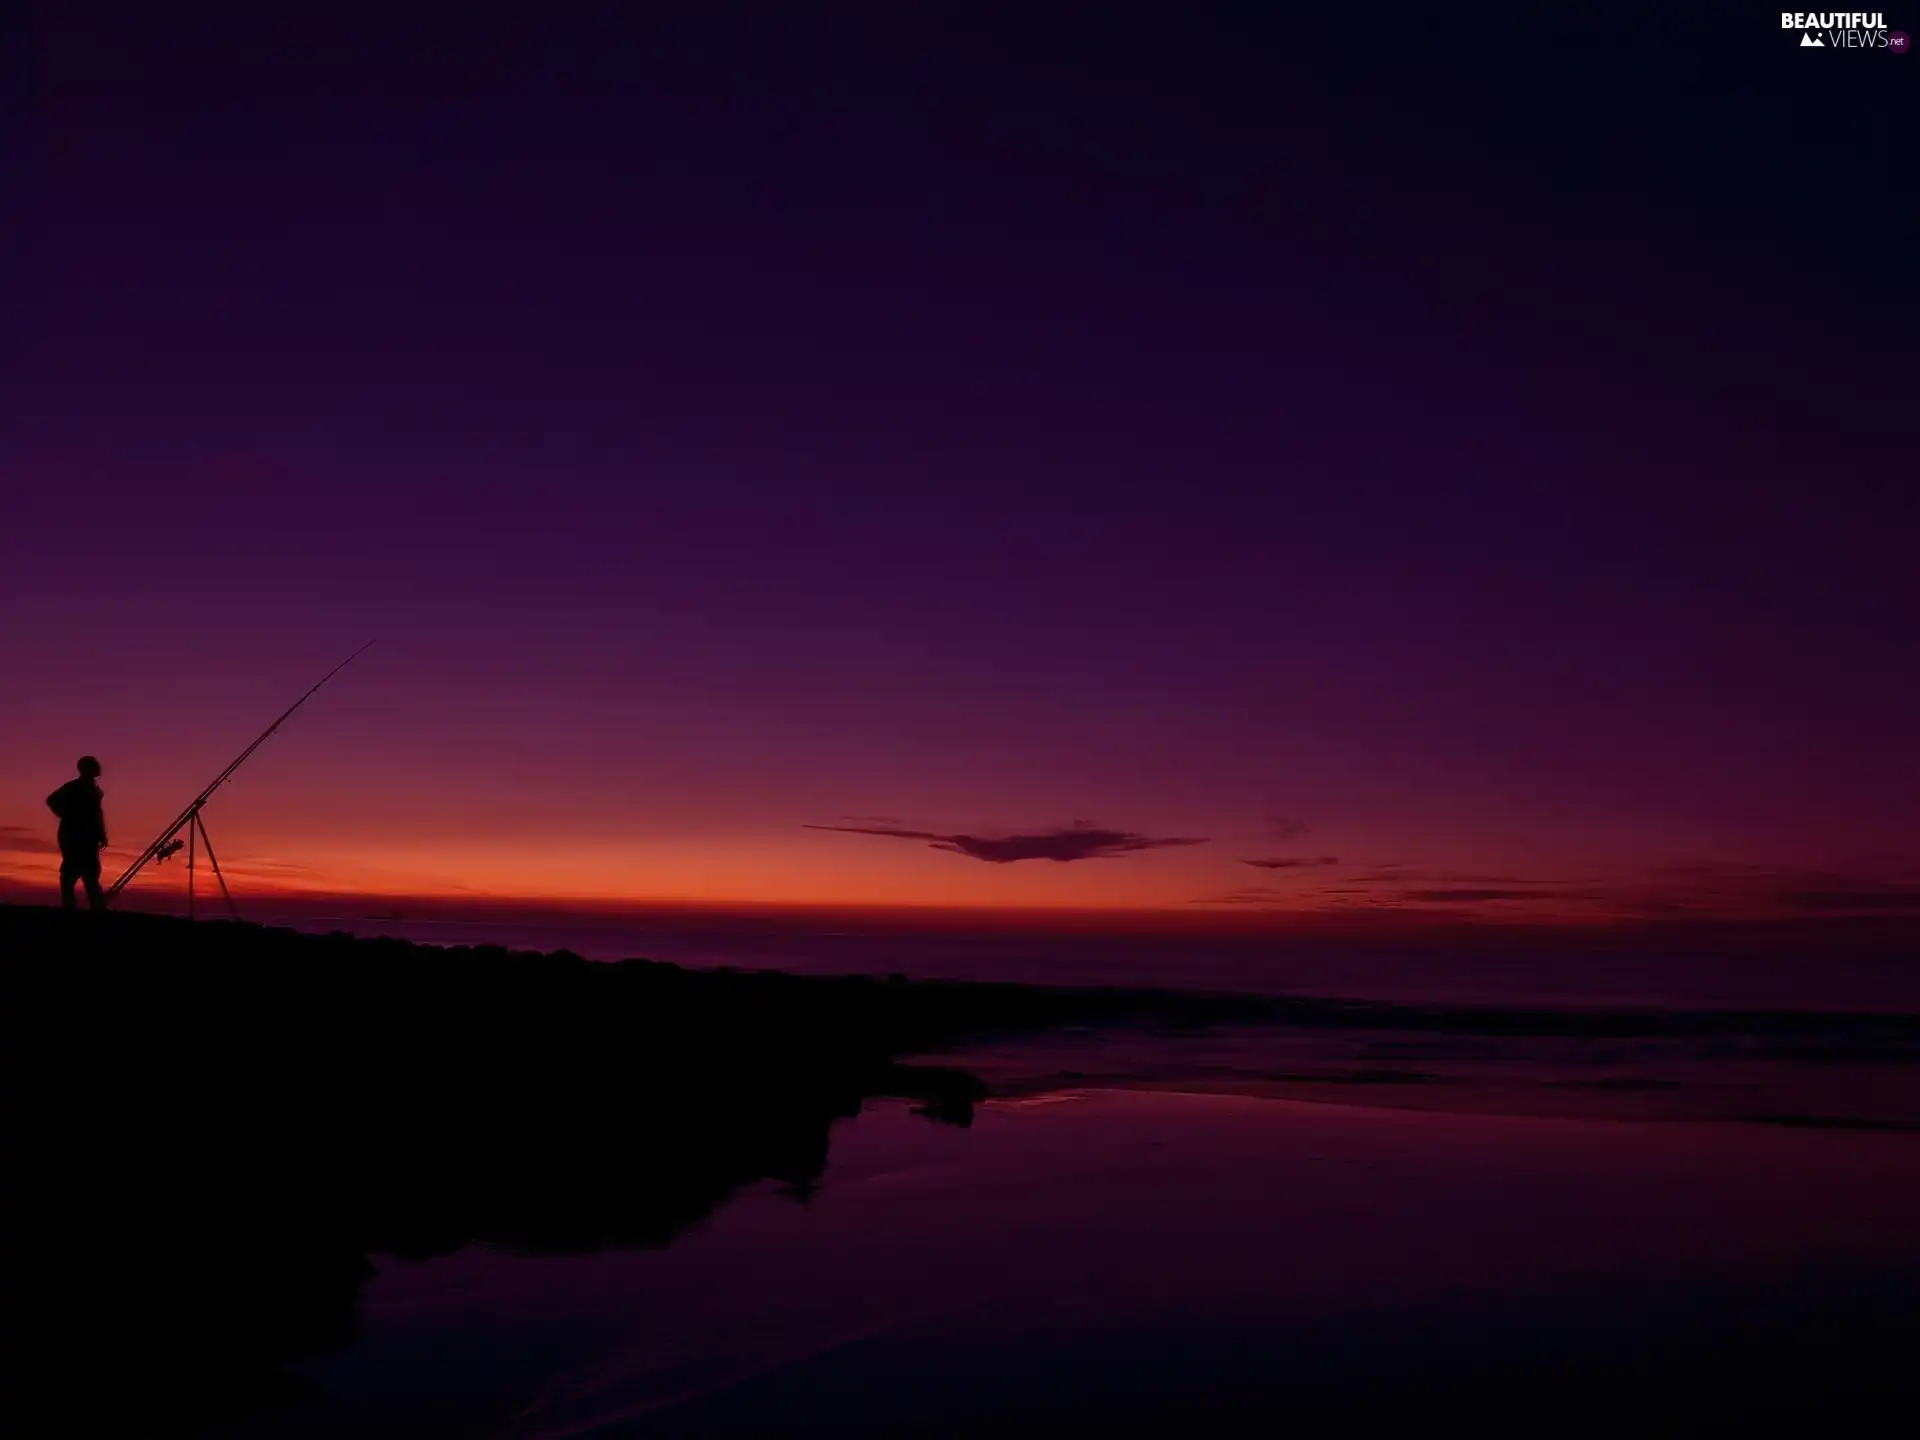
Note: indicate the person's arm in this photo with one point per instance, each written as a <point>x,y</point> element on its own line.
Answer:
<point>57,802</point>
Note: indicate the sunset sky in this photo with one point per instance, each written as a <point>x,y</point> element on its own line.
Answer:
<point>948,461</point>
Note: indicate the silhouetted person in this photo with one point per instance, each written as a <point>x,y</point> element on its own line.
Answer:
<point>83,830</point>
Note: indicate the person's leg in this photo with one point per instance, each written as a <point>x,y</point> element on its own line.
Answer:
<point>68,874</point>
<point>95,900</point>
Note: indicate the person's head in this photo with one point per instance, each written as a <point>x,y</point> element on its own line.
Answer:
<point>88,766</point>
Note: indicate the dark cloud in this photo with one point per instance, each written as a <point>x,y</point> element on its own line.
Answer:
<point>1070,842</point>
<point>1861,898</point>
<point>1440,905</point>
<point>1254,895</point>
<point>1409,874</point>
<point>1293,862</point>
<point>1738,902</point>
<point>1872,889</point>
<point>1392,875</point>
<point>19,840</point>
<point>1721,872</point>
<point>1459,895</point>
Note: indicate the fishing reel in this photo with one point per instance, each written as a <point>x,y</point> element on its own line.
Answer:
<point>172,847</point>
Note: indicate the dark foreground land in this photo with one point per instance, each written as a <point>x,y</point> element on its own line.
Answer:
<point>209,1128</point>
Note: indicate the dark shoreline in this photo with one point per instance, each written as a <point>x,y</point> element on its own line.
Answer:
<point>211,1127</point>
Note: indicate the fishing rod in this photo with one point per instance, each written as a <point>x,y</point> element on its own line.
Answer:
<point>166,842</point>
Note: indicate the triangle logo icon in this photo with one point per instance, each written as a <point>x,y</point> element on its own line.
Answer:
<point>1809,42</point>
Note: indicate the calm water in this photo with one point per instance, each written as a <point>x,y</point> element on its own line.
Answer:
<point>1503,975</point>
<point>1468,1201</point>
<point>1120,1254</point>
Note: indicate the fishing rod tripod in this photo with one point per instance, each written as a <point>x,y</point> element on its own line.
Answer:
<point>196,826</point>
<point>168,842</point>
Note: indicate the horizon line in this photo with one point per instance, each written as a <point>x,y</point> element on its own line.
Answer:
<point>1394,923</point>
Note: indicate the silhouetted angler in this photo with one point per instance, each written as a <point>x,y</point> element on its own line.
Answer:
<point>83,830</point>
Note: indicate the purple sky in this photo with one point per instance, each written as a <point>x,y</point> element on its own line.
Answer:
<point>1434,441</point>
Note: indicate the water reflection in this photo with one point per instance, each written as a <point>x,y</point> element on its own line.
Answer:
<point>1166,1263</point>
<point>223,1130</point>
<point>215,1127</point>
